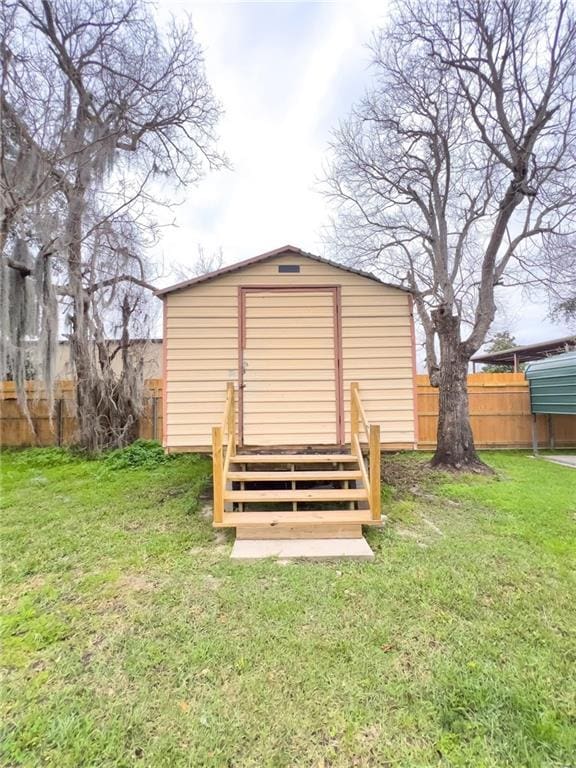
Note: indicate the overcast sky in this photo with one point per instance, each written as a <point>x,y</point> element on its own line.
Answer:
<point>285,73</point>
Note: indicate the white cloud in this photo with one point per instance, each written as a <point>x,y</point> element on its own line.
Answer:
<point>285,73</point>
<point>282,88</point>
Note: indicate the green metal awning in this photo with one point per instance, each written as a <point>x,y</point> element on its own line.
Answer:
<point>553,384</point>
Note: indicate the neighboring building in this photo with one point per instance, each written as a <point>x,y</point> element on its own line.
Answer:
<point>517,356</point>
<point>292,331</point>
<point>151,349</point>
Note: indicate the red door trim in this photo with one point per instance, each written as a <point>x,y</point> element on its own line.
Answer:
<point>336,292</point>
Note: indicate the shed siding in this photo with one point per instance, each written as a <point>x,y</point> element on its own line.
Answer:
<point>201,355</point>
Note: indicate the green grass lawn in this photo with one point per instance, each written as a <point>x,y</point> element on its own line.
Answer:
<point>131,639</point>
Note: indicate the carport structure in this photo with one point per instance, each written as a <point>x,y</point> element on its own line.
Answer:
<point>516,356</point>
<point>552,390</point>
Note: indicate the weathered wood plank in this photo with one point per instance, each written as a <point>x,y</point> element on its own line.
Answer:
<point>320,517</point>
<point>217,474</point>
<point>375,494</point>
<point>302,531</point>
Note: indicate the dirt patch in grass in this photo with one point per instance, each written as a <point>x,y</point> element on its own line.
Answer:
<point>135,582</point>
<point>31,584</point>
<point>414,504</point>
<point>409,475</point>
<point>206,511</point>
<point>408,533</point>
<point>212,582</point>
<point>115,598</point>
<point>214,549</point>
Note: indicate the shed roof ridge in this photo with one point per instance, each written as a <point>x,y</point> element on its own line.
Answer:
<point>239,265</point>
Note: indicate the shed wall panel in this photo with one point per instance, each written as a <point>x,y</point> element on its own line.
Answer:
<point>202,350</point>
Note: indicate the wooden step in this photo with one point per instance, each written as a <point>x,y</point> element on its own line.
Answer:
<point>293,458</point>
<point>327,474</point>
<point>321,494</point>
<point>308,517</point>
<point>300,531</point>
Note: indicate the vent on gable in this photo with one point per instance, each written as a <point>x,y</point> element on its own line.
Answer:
<point>289,268</point>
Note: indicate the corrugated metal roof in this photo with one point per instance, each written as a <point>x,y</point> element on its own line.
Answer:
<point>553,384</point>
<point>269,255</point>
<point>527,352</point>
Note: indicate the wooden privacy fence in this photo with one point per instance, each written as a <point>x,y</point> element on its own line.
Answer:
<point>499,413</point>
<point>499,407</point>
<point>15,428</point>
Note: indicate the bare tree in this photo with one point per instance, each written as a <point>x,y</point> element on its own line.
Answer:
<point>456,168</point>
<point>100,102</point>
<point>556,273</point>
<point>202,265</point>
<point>567,311</point>
<point>208,262</point>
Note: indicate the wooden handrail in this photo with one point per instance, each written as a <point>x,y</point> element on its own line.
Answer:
<point>361,463</point>
<point>371,477</point>
<point>225,432</point>
<point>361,417</point>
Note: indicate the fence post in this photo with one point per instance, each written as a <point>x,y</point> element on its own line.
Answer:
<point>551,436</point>
<point>59,424</point>
<point>154,418</point>
<point>534,434</point>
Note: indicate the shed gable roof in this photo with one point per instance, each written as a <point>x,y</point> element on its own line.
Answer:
<point>287,249</point>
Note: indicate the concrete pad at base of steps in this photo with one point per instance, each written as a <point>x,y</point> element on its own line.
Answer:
<point>302,549</point>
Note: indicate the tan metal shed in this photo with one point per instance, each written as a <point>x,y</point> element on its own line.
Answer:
<point>292,331</point>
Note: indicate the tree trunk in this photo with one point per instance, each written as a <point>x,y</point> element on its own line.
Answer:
<point>79,337</point>
<point>455,448</point>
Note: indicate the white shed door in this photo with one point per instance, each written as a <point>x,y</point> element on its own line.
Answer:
<point>290,364</point>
